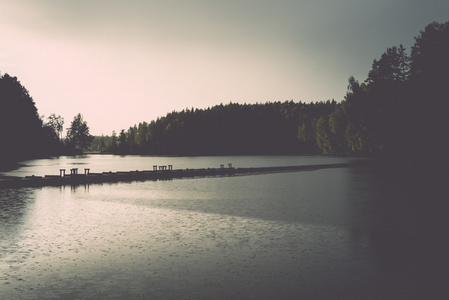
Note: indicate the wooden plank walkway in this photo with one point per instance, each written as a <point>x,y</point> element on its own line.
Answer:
<point>163,173</point>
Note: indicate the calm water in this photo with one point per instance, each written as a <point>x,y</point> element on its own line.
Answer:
<point>348,233</point>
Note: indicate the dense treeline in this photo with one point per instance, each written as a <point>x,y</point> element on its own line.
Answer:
<point>24,134</point>
<point>231,129</point>
<point>400,109</point>
<point>270,128</point>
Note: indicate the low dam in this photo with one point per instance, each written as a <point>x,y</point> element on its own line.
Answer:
<point>158,173</point>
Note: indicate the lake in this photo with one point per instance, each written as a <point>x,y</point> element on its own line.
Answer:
<point>358,232</point>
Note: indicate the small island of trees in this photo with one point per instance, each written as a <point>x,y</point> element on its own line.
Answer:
<point>400,110</point>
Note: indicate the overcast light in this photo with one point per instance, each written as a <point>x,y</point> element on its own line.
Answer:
<point>123,62</point>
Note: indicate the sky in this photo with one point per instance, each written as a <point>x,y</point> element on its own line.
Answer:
<point>121,62</point>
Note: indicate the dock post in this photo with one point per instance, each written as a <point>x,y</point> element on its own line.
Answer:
<point>74,171</point>
<point>86,171</point>
<point>221,166</point>
<point>170,167</point>
<point>62,172</point>
<point>230,166</point>
<point>155,168</point>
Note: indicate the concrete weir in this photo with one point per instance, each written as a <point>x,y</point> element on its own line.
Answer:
<point>161,173</point>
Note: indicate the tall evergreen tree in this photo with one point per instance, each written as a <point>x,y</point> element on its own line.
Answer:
<point>429,84</point>
<point>78,134</point>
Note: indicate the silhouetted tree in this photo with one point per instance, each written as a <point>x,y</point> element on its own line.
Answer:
<point>113,146</point>
<point>338,122</point>
<point>392,67</point>
<point>429,85</point>
<point>323,135</point>
<point>78,134</point>
<point>56,123</point>
<point>123,147</point>
<point>400,108</point>
<point>22,134</point>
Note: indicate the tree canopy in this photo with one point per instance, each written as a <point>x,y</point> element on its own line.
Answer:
<point>400,110</point>
<point>22,134</point>
<point>78,135</point>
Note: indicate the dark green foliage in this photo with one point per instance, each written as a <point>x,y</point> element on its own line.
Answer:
<point>56,124</point>
<point>236,129</point>
<point>22,133</point>
<point>338,123</point>
<point>429,86</point>
<point>123,146</point>
<point>78,136</point>
<point>270,128</point>
<point>392,68</point>
<point>401,110</point>
<point>407,97</point>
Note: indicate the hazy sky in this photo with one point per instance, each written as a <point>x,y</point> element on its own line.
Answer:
<point>123,62</point>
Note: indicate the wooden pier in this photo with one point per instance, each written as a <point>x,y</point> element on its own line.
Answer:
<point>161,173</point>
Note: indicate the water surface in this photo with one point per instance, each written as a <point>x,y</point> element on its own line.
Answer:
<point>106,163</point>
<point>353,233</point>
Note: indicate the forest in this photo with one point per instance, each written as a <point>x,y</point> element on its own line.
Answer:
<point>232,129</point>
<point>399,110</point>
<point>24,134</point>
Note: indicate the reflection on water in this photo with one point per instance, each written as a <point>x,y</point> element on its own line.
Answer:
<point>347,233</point>
<point>15,205</point>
